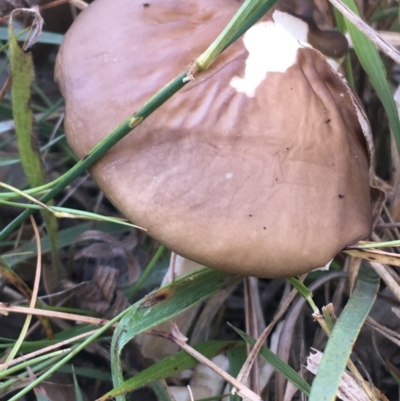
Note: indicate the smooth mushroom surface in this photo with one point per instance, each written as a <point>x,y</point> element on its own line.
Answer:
<point>260,166</point>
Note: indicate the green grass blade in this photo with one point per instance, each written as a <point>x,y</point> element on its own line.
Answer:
<point>67,213</point>
<point>6,385</point>
<point>66,237</point>
<point>277,363</point>
<point>146,272</point>
<point>344,335</point>
<point>78,392</point>
<point>161,391</point>
<point>237,357</point>
<point>249,13</point>
<point>31,362</point>
<point>169,366</point>
<point>23,76</point>
<point>304,292</point>
<point>372,64</point>
<point>163,305</point>
<point>22,73</point>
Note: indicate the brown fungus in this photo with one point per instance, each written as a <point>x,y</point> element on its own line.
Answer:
<point>239,170</point>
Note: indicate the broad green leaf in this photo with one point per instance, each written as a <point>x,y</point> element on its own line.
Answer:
<point>344,335</point>
<point>163,305</point>
<point>277,363</point>
<point>169,366</point>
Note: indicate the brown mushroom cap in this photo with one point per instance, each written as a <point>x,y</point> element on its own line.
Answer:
<point>269,180</point>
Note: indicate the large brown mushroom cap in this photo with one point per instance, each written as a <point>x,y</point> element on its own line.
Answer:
<point>269,180</point>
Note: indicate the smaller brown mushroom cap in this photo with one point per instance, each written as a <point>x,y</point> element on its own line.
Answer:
<point>259,167</point>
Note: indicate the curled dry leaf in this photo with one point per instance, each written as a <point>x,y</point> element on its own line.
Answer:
<point>36,25</point>
<point>95,248</point>
<point>260,166</point>
<point>105,265</point>
<point>99,294</point>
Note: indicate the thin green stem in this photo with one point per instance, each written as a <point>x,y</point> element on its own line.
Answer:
<point>304,292</point>
<point>75,351</point>
<point>147,271</point>
<point>31,362</point>
<point>249,13</point>
<point>99,150</point>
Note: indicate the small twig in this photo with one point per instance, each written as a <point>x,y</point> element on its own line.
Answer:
<point>54,314</point>
<point>388,225</point>
<point>178,338</point>
<point>263,337</point>
<point>38,264</point>
<point>35,291</point>
<point>190,393</point>
<point>252,373</point>
<point>45,350</point>
<point>384,274</point>
<point>367,31</point>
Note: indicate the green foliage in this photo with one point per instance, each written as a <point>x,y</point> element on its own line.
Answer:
<point>344,334</point>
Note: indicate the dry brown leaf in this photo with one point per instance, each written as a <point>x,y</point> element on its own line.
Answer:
<point>95,248</point>
<point>100,294</point>
<point>374,255</point>
<point>388,277</point>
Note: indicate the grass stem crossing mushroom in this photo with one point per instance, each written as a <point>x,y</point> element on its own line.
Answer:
<point>260,166</point>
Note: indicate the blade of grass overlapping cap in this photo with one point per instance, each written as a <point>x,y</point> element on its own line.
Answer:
<point>372,64</point>
<point>250,12</point>
<point>343,337</point>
